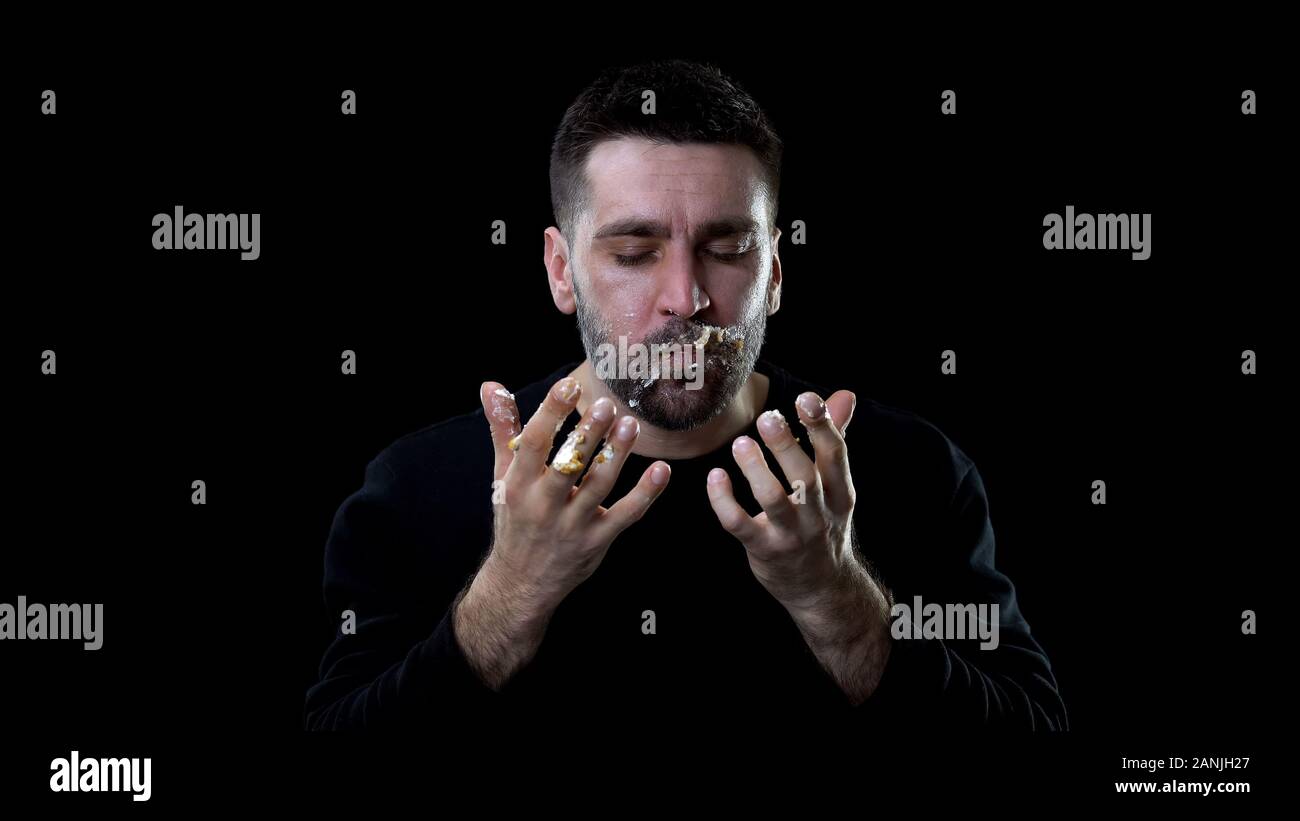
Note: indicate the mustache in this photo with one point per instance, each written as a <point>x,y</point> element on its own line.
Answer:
<point>686,332</point>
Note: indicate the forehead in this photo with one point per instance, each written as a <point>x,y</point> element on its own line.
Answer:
<point>688,182</point>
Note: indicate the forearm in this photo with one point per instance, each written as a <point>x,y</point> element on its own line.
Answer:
<point>848,631</point>
<point>499,623</point>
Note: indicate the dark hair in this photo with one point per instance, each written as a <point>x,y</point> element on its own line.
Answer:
<point>694,103</point>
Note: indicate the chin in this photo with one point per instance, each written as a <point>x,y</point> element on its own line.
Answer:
<point>672,407</point>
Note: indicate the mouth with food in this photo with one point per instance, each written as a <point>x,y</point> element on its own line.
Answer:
<point>685,353</point>
<point>686,361</point>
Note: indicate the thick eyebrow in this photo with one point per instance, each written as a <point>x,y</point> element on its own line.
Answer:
<point>714,229</point>
<point>634,227</point>
<point>731,227</point>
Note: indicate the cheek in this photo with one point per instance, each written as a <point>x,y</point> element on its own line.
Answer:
<point>736,296</point>
<point>626,305</point>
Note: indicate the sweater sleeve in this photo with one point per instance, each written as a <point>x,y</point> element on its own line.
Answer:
<point>402,664</point>
<point>939,682</point>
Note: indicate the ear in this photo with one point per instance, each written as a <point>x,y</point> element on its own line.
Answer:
<point>558,272</point>
<point>774,283</point>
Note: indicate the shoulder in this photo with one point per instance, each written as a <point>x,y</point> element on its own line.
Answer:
<point>905,432</point>
<point>456,451</point>
<point>895,443</point>
<point>425,506</point>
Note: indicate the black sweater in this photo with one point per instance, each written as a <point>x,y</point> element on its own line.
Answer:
<point>405,544</point>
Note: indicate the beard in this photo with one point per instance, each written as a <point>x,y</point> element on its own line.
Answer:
<point>666,402</point>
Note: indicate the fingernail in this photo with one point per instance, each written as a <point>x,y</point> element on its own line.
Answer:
<point>812,405</point>
<point>567,389</point>
<point>503,409</point>
<point>659,474</point>
<point>771,422</point>
<point>743,444</point>
<point>627,427</point>
<point>717,475</point>
<point>602,410</point>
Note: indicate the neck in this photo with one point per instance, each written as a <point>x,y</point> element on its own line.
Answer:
<point>658,443</point>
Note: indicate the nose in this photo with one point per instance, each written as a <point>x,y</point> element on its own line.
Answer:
<point>680,290</point>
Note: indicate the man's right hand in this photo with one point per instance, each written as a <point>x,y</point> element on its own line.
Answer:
<point>548,535</point>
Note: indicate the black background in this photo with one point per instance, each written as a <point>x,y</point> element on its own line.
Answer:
<point>924,234</point>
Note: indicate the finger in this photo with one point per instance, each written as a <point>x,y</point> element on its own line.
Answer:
<point>825,430</point>
<point>534,443</point>
<point>634,505</point>
<point>573,455</point>
<point>731,515</point>
<point>503,422</point>
<point>794,463</point>
<point>606,466</point>
<point>766,488</point>
<point>841,405</point>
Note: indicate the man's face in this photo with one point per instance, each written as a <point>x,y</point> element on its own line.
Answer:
<point>674,238</point>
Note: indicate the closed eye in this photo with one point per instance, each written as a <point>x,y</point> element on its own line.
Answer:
<point>729,257</point>
<point>633,259</point>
